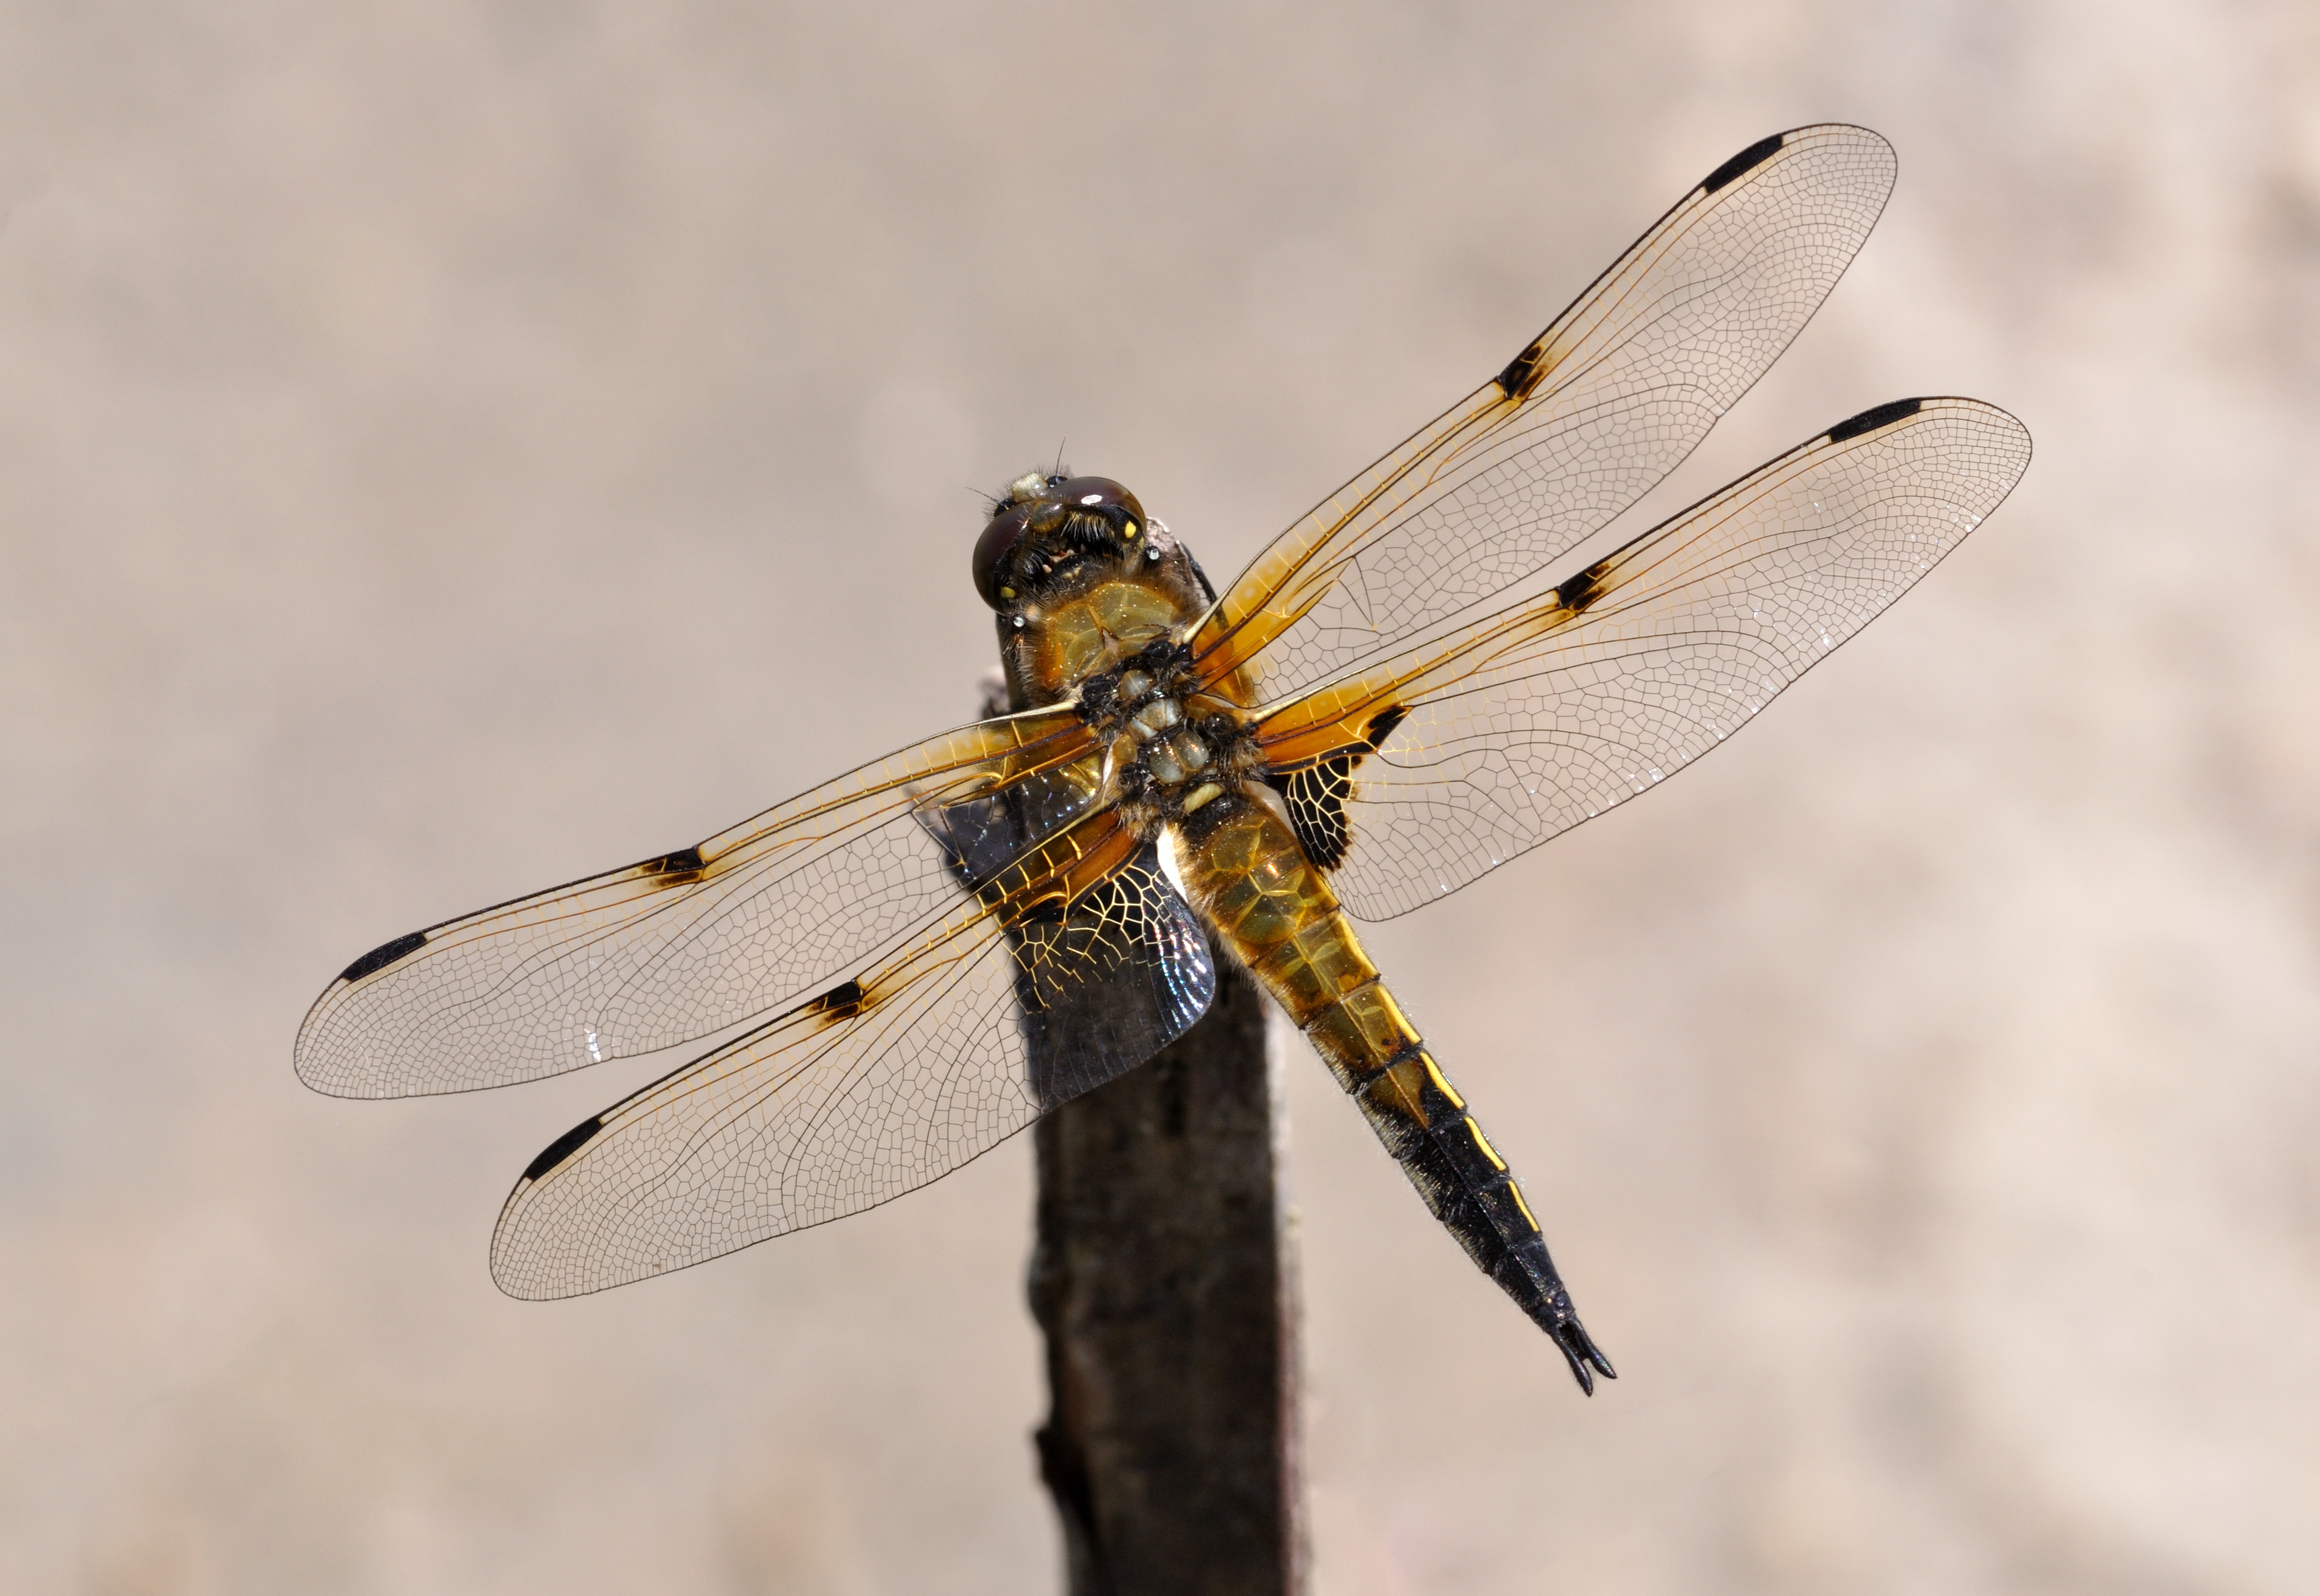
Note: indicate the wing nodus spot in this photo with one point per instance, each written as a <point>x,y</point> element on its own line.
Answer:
<point>677,869</point>
<point>1874,417</point>
<point>1744,163</point>
<point>1523,372</point>
<point>1318,793</point>
<point>1584,589</point>
<point>385,954</point>
<point>564,1147</point>
<point>840,1003</point>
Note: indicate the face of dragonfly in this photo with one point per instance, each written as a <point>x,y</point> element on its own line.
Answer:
<point>1081,578</point>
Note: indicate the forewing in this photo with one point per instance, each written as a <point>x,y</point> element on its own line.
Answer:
<point>1435,767</point>
<point>683,946</point>
<point>879,1085</point>
<point>1590,414</point>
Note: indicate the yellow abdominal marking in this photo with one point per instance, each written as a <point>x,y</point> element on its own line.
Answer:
<point>1489,1151</point>
<point>1433,1074</point>
<point>1517,1191</point>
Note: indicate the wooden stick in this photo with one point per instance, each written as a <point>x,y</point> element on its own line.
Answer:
<point>1164,1281</point>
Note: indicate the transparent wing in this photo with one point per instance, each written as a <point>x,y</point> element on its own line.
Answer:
<point>1433,768</point>
<point>878,1086</point>
<point>1592,412</point>
<point>686,945</point>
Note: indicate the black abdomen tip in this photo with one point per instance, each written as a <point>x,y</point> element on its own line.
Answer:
<point>564,1147</point>
<point>1874,417</point>
<point>385,954</point>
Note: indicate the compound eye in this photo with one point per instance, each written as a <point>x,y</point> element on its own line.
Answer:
<point>1101,496</point>
<point>993,552</point>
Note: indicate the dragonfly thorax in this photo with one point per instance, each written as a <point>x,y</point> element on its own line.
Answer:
<point>1174,749</point>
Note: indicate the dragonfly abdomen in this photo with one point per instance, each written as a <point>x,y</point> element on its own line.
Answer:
<point>1273,910</point>
<point>1380,1059</point>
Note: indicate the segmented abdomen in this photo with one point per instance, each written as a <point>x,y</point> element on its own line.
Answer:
<point>1273,910</point>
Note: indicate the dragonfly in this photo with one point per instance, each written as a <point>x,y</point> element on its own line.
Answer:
<point>897,970</point>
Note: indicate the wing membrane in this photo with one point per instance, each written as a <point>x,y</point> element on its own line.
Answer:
<point>877,1086</point>
<point>1523,725</point>
<point>683,946</point>
<point>1597,409</point>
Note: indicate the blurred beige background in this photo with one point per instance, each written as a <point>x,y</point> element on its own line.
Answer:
<point>446,447</point>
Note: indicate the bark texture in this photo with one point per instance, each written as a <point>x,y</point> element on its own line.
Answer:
<point>1165,1283</point>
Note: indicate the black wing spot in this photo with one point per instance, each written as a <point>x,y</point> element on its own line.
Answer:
<point>385,954</point>
<point>564,1147</point>
<point>1382,725</point>
<point>1523,371</point>
<point>1582,590</point>
<point>1744,163</point>
<point>1874,417</point>
<point>1317,798</point>
<point>1047,910</point>
<point>840,1003</point>
<point>677,869</point>
<point>1317,795</point>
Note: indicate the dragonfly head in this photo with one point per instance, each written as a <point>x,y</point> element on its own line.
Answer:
<point>1043,524</point>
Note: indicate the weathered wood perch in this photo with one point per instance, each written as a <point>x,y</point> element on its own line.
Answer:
<point>1164,1280</point>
